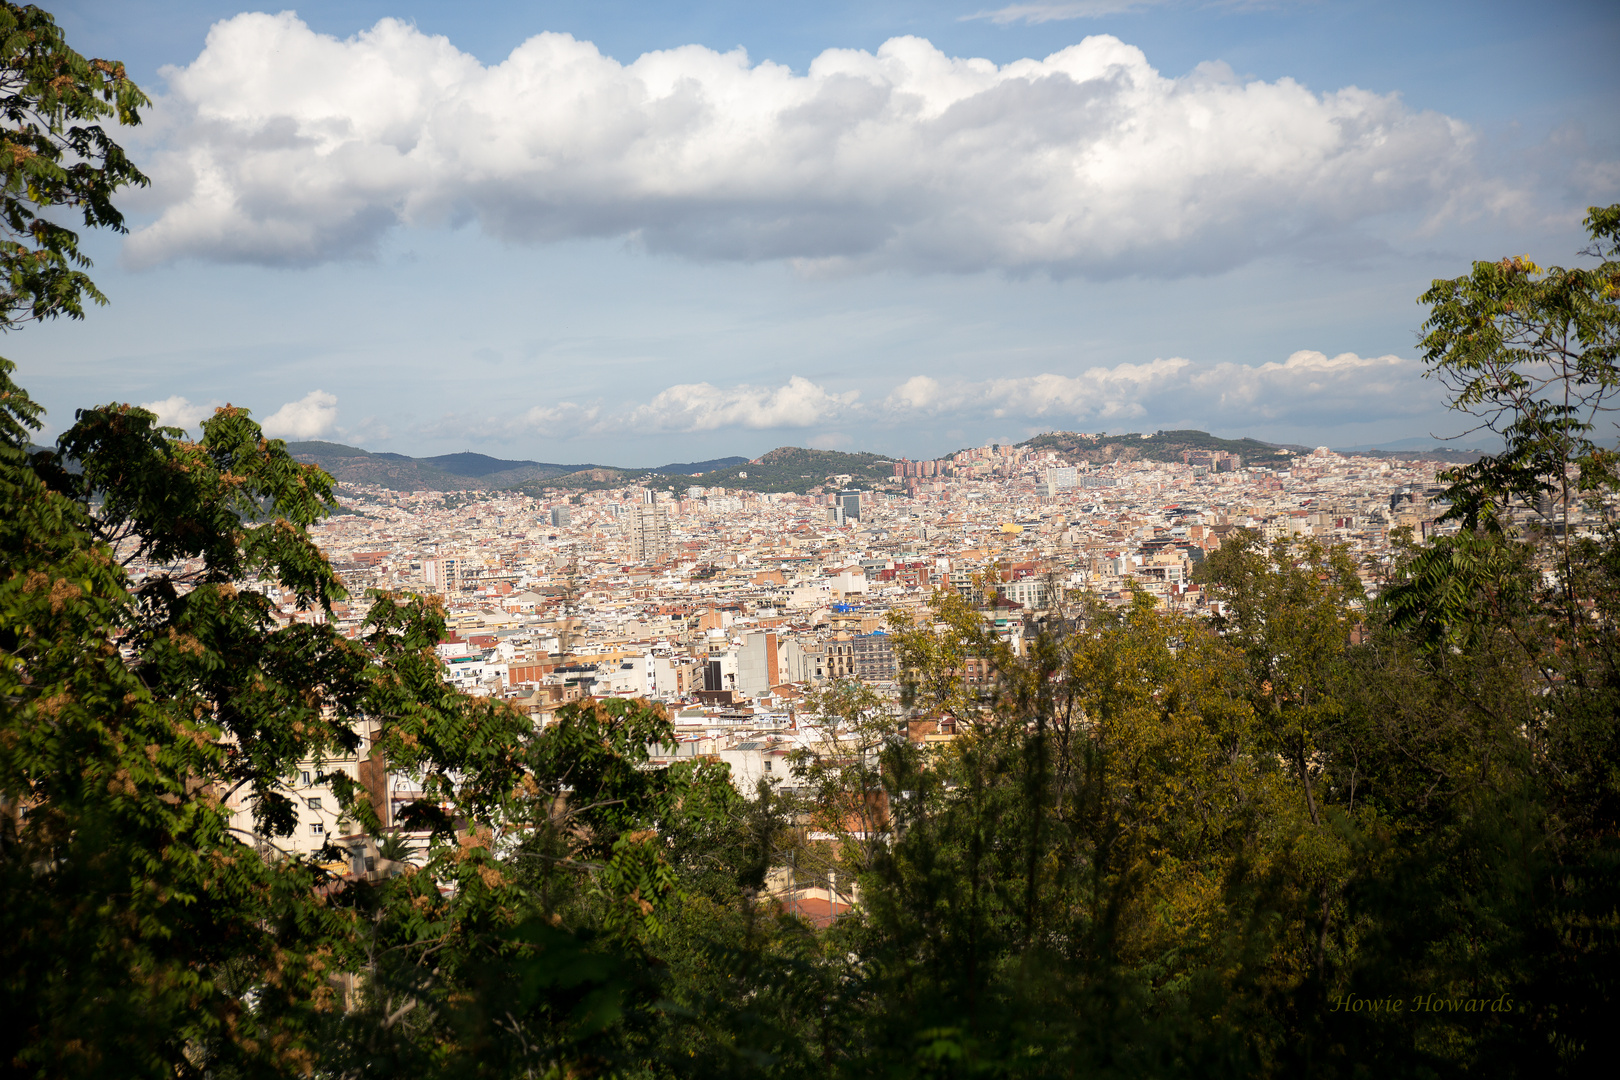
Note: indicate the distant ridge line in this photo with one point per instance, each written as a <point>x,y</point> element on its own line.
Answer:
<point>787,468</point>
<point>466,469</point>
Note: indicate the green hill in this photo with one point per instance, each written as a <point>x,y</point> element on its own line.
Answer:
<point>469,471</point>
<point>1159,446</point>
<point>796,469</point>
<point>447,472</point>
<point>793,469</point>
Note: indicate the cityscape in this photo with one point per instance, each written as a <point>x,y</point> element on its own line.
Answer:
<point>727,605</point>
<point>1070,540</point>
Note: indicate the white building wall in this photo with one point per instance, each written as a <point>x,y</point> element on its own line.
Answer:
<point>314,802</point>
<point>753,664</point>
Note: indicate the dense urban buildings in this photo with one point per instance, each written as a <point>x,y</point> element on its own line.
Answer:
<point>729,605</point>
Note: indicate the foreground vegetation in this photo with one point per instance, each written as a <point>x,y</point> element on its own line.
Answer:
<point>1327,834</point>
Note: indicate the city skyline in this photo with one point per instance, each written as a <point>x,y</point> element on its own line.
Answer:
<point>848,236</point>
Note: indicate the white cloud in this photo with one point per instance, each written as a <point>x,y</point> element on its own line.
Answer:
<point>919,393</point>
<point>561,420</point>
<point>686,408</point>
<point>179,412</point>
<point>281,145</point>
<point>310,417</point>
<point>1312,384</point>
<point>701,407</point>
<point>1308,387</point>
<point>1096,392</point>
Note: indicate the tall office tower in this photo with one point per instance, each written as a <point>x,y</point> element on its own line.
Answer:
<point>560,517</point>
<point>850,502</point>
<point>648,527</point>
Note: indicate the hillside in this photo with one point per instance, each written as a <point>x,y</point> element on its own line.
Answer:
<point>351,465</point>
<point>468,463</point>
<point>796,469</point>
<point>467,470</point>
<point>588,478</point>
<point>448,472</point>
<point>785,469</point>
<point>1159,446</point>
<point>1170,445</point>
<point>698,468</point>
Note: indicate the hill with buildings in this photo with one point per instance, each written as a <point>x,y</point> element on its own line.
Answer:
<point>1170,446</point>
<point>796,469</point>
<point>1159,446</point>
<point>787,469</point>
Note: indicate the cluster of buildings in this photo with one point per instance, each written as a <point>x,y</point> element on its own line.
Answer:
<point>728,606</point>
<point>729,601</point>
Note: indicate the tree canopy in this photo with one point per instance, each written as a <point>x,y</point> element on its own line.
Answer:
<point>55,154</point>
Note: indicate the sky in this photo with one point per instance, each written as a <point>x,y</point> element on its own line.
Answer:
<point>635,233</point>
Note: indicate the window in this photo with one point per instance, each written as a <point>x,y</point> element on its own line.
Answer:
<point>316,828</point>
<point>314,804</point>
<point>303,778</point>
<point>767,764</point>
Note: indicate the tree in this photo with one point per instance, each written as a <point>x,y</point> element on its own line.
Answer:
<point>55,154</point>
<point>1535,355</point>
<point>1532,580</point>
<point>146,681</point>
<point>1516,618</point>
<point>136,705</point>
<point>1290,608</point>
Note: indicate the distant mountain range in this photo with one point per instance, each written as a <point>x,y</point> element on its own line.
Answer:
<point>1170,445</point>
<point>1422,443</point>
<point>459,472</point>
<point>785,469</point>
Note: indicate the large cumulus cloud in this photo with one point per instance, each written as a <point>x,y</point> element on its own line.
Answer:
<point>281,145</point>
<point>311,416</point>
<point>701,407</point>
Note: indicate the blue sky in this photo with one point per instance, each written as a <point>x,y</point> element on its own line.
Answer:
<point>598,232</point>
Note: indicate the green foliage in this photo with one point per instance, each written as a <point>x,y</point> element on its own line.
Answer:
<point>55,153</point>
<point>1535,355</point>
<point>478,472</point>
<point>447,472</point>
<point>795,469</point>
<point>1290,610</point>
<point>1159,446</point>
